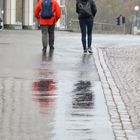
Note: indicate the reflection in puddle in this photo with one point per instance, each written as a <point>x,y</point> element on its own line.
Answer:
<point>81,115</point>
<point>47,57</point>
<point>83,98</point>
<point>44,85</point>
<point>45,93</point>
<point>44,89</point>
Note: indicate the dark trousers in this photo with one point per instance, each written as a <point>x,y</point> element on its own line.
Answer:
<point>47,30</point>
<point>86,26</point>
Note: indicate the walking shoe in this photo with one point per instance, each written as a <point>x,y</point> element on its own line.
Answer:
<point>90,50</point>
<point>51,48</point>
<point>44,49</point>
<point>85,51</point>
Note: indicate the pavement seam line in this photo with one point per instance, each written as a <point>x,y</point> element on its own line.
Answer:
<point>119,117</point>
<point>108,95</point>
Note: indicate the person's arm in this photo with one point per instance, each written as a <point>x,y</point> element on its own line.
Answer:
<point>77,9</point>
<point>57,11</point>
<point>93,8</point>
<point>37,10</point>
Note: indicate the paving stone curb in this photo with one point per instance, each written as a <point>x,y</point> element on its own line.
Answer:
<point>121,123</point>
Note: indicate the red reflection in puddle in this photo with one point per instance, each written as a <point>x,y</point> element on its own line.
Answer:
<point>44,85</point>
<point>44,94</point>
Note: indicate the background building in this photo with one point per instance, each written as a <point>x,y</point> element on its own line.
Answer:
<point>1,7</point>
<point>18,14</point>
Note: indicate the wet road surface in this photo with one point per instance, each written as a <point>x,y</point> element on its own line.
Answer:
<point>56,96</point>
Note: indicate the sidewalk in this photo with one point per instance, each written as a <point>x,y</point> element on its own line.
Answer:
<point>115,69</point>
<point>65,94</point>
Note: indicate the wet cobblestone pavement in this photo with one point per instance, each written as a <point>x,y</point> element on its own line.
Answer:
<point>119,116</point>
<point>125,68</point>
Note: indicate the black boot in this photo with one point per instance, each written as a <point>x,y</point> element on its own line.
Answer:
<point>51,48</point>
<point>44,49</point>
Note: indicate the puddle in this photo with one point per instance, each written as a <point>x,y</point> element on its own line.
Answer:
<point>82,113</point>
<point>44,94</point>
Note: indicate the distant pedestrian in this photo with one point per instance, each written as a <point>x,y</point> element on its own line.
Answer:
<point>86,10</point>
<point>0,23</point>
<point>47,12</point>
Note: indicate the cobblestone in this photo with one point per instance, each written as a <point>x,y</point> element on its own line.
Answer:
<point>109,68</point>
<point>124,65</point>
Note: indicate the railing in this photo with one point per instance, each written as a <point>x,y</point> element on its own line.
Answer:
<point>98,27</point>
